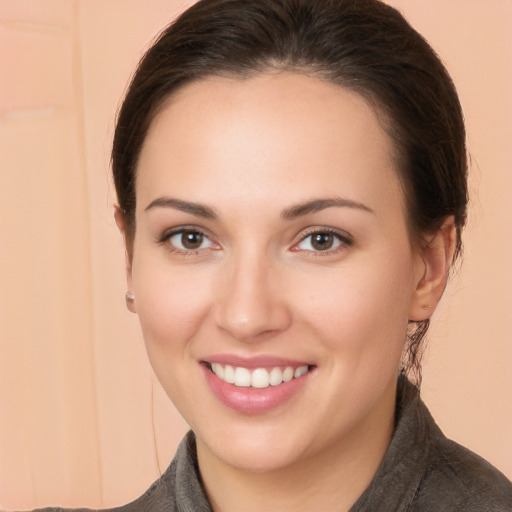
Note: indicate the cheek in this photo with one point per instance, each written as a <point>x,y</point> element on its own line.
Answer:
<point>362,310</point>
<point>171,307</point>
<point>171,304</point>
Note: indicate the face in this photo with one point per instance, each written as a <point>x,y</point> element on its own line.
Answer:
<point>272,269</point>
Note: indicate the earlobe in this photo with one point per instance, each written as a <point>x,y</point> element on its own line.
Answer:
<point>120,220</point>
<point>436,258</point>
<point>121,225</point>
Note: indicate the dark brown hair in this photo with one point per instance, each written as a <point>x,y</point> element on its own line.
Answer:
<point>364,45</point>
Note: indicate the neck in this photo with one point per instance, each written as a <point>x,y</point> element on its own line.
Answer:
<point>329,480</point>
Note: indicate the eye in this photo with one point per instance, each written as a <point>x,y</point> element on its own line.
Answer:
<point>322,241</point>
<point>188,239</point>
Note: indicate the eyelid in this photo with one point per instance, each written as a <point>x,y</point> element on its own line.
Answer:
<point>345,239</point>
<point>169,233</point>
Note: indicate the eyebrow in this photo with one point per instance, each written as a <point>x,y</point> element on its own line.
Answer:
<point>317,205</point>
<point>291,213</point>
<point>197,209</point>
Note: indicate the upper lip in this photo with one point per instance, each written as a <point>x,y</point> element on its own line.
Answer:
<point>260,361</point>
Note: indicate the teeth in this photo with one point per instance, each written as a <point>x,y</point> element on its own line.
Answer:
<point>218,370</point>
<point>276,376</point>
<point>229,374</point>
<point>242,377</point>
<point>288,374</point>
<point>259,378</point>
<point>301,370</point>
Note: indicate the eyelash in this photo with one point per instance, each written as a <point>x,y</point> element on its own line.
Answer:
<point>167,235</point>
<point>343,238</point>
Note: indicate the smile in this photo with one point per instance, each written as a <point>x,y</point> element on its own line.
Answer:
<point>258,378</point>
<point>255,385</point>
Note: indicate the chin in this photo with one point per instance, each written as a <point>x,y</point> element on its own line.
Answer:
<point>259,459</point>
<point>258,448</point>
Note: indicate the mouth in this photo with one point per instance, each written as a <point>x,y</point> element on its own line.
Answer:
<point>258,378</point>
<point>257,384</point>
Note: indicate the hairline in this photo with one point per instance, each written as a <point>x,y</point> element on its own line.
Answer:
<point>276,67</point>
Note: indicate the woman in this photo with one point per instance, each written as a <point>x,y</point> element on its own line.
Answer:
<point>291,178</point>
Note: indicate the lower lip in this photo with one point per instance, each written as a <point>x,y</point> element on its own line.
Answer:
<point>253,400</point>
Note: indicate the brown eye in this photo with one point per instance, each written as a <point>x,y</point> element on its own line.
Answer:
<point>322,241</point>
<point>189,240</point>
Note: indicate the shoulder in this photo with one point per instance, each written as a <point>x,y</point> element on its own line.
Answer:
<point>458,479</point>
<point>423,471</point>
<point>178,489</point>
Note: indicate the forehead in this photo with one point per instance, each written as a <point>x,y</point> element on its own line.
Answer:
<point>272,136</point>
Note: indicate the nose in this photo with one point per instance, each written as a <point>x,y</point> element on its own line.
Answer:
<point>251,303</point>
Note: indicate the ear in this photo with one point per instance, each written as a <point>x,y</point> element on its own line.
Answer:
<point>434,264</point>
<point>121,225</point>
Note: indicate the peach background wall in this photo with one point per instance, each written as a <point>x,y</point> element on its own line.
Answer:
<point>82,419</point>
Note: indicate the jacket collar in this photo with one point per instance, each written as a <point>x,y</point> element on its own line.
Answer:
<point>393,487</point>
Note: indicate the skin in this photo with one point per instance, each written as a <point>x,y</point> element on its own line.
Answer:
<point>249,150</point>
